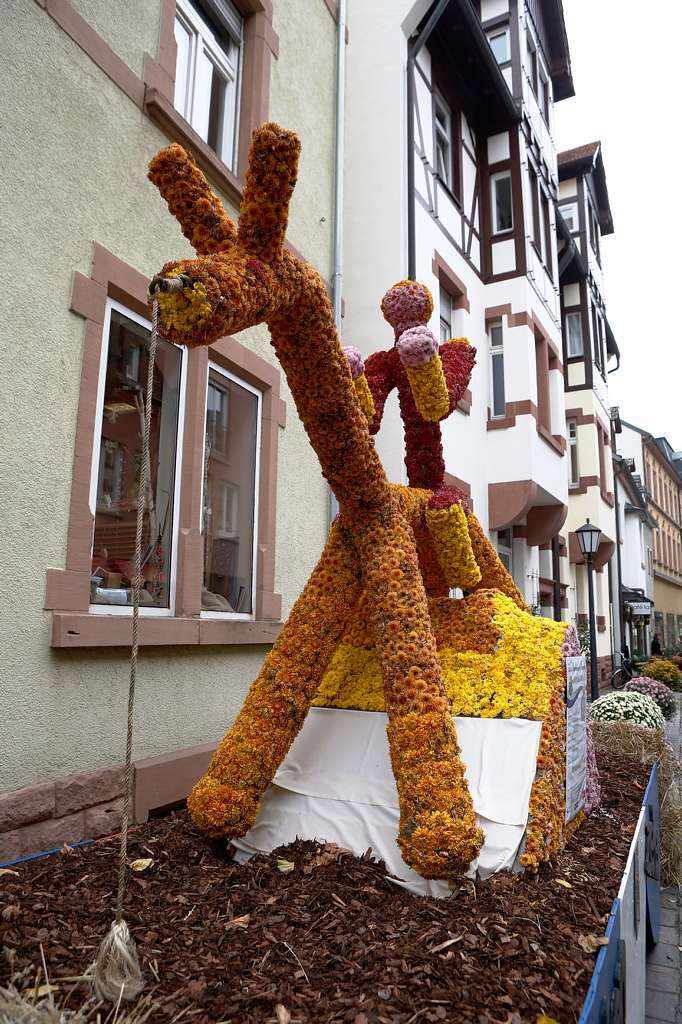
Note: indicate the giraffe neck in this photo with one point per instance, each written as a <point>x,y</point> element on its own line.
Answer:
<point>307,345</point>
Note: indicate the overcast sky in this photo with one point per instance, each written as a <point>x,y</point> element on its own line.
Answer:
<point>627,69</point>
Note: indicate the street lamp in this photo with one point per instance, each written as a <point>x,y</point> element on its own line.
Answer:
<point>588,539</point>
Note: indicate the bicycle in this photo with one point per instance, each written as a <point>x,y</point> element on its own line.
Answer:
<point>622,675</point>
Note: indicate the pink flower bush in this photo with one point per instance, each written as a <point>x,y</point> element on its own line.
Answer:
<point>417,346</point>
<point>658,692</point>
<point>592,790</point>
<point>570,647</point>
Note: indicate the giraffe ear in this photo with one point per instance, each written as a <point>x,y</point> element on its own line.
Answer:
<point>191,201</point>
<point>268,187</point>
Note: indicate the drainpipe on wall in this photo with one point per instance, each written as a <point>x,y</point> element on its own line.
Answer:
<point>337,278</point>
<point>619,567</point>
<point>414,45</point>
<point>556,578</point>
<point>337,275</point>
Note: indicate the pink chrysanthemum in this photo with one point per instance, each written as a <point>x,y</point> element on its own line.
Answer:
<point>417,346</point>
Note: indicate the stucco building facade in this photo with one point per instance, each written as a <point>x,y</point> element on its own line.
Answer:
<point>237,511</point>
<point>589,348</point>
<point>659,467</point>
<point>451,176</point>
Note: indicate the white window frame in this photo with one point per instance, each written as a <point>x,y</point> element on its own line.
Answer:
<point>126,610</point>
<point>444,321</point>
<point>572,439</point>
<point>495,34</point>
<point>543,92</point>
<point>532,52</point>
<point>496,351</point>
<point>444,134</point>
<point>495,178</point>
<point>569,211</point>
<point>236,616</point>
<point>205,49</point>
<point>569,353</point>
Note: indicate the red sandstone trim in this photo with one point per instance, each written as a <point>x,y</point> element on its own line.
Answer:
<point>86,806</point>
<point>446,276</point>
<point>68,589</point>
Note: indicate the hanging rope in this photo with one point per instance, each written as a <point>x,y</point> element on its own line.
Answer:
<point>116,973</point>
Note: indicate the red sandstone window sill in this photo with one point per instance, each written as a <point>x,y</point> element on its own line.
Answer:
<point>80,629</point>
<point>161,110</point>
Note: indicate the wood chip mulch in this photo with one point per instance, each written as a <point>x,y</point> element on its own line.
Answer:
<point>329,939</point>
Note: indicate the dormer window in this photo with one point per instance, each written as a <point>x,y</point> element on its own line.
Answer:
<point>532,62</point>
<point>594,229</point>
<point>574,334</point>
<point>570,214</point>
<point>543,96</point>
<point>442,127</point>
<point>501,201</point>
<point>499,44</point>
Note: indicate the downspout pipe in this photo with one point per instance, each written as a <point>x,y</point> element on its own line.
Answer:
<point>619,563</point>
<point>414,45</point>
<point>339,133</point>
<point>337,277</point>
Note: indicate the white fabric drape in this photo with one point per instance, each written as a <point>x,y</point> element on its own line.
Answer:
<point>337,785</point>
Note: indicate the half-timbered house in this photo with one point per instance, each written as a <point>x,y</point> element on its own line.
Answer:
<point>460,97</point>
<point>589,346</point>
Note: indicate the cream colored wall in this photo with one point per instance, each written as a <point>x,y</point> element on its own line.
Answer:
<point>130,27</point>
<point>74,173</point>
<point>303,98</point>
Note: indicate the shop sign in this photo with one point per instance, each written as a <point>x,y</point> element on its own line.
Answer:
<point>639,607</point>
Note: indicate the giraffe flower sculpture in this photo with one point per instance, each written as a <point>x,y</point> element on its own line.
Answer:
<point>243,276</point>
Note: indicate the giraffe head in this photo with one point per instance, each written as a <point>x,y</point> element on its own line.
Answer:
<point>407,304</point>
<point>241,276</point>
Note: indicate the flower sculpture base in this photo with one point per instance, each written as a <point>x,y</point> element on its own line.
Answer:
<point>499,663</point>
<point>336,785</point>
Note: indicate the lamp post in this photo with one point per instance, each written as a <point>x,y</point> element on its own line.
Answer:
<point>588,539</point>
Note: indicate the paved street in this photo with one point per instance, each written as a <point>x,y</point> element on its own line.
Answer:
<point>664,977</point>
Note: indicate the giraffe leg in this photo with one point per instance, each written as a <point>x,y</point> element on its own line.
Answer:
<point>225,801</point>
<point>447,522</point>
<point>494,576</point>
<point>438,834</point>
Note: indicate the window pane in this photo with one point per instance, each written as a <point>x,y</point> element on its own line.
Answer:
<point>496,335</point>
<point>216,112</point>
<point>445,300</point>
<point>570,215</point>
<point>442,158</point>
<point>575,334</point>
<point>230,459</point>
<point>499,46</point>
<point>119,468</point>
<point>182,64</point>
<point>575,474</point>
<point>498,385</point>
<point>502,199</point>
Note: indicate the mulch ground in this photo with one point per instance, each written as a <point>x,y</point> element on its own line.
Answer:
<point>328,939</point>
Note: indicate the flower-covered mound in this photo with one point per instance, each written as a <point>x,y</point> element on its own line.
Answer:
<point>498,661</point>
<point>659,692</point>
<point>663,670</point>
<point>628,707</point>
